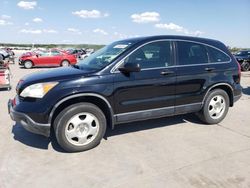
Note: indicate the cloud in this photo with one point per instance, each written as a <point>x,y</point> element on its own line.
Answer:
<point>5,17</point>
<point>90,14</point>
<point>74,30</point>
<point>120,35</point>
<point>101,31</point>
<point>26,23</point>
<point>37,31</point>
<point>146,17</point>
<point>124,36</point>
<point>4,20</point>
<point>27,5</point>
<point>50,31</point>
<point>37,20</point>
<point>198,33</point>
<point>66,41</point>
<point>170,26</point>
<point>177,28</point>
<point>31,31</point>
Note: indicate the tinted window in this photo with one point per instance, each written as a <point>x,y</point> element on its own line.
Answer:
<point>55,53</point>
<point>191,53</point>
<point>44,54</point>
<point>217,56</point>
<point>153,55</point>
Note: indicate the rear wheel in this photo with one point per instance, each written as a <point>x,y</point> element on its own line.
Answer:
<point>80,127</point>
<point>65,63</point>
<point>215,107</point>
<point>28,64</point>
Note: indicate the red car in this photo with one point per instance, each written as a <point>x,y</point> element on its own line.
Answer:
<point>49,58</point>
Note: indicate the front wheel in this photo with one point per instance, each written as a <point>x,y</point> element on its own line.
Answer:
<point>28,64</point>
<point>80,127</point>
<point>215,107</point>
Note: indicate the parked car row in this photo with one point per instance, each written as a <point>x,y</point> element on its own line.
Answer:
<point>243,57</point>
<point>51,58</point>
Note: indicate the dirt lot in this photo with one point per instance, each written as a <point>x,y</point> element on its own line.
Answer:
<point>177,152</point>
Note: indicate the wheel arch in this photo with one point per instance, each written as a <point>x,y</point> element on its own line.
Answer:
<point>28,60</point>
<point>65,60</point>
<point>224,86</point>
<point>96,99</point>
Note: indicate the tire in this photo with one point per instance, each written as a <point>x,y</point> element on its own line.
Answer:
<point>215,107</point>
<point>28,64</point>
<point>74,133</point>
<point>245,66</point>
<point>65,63</point>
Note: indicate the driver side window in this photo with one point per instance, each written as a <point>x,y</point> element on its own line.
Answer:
<point>152,55</point>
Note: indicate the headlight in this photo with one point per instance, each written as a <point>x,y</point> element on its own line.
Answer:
<point>38,90</point>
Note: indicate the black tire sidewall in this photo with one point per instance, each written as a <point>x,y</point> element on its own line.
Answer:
<point>63,117</point>
<point>205,113</point>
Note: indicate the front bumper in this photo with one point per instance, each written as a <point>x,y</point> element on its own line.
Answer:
<point>237,97</point>
<point>28,123</point>
<point>20,62</point>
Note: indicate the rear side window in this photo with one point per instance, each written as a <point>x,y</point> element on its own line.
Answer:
<point>217,55</point>
<point>190,53</point>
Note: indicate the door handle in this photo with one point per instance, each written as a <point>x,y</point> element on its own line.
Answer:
<point>209,69</point>
<point>167,72</point>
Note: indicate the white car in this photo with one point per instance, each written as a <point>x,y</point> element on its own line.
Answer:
<point>3,54</point>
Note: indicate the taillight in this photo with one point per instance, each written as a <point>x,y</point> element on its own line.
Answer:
<point>239,69</point>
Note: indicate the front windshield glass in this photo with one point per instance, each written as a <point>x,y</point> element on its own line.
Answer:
<point>104,56</point>
<point>241,53</point>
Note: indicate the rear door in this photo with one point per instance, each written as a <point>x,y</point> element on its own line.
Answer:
<point>192,75</point>
<point>198,67</point>
<point>150,92</point>
<point>52,58</point>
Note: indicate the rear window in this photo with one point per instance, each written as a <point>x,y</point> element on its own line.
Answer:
<point>217,55</point>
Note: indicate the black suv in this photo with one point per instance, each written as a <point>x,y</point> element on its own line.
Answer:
<point>129,80</point>
<point>243,57</point>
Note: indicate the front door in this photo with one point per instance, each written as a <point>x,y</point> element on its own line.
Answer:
<point>150,92</point>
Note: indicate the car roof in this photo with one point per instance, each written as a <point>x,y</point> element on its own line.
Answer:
<point>175,37</point>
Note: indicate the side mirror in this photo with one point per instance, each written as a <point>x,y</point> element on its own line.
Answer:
<point>130,67</point>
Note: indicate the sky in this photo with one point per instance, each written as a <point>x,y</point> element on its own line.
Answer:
<point>105,21</point>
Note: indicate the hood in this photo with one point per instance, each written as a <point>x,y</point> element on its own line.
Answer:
<point>57,74</point>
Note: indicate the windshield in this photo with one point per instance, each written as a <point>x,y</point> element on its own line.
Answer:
<point>104,56</point>
<point>241,53</point>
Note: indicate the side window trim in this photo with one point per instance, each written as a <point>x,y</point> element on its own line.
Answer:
<point>174,55</point>
<point>115,67</point>
<point>206,46</point>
